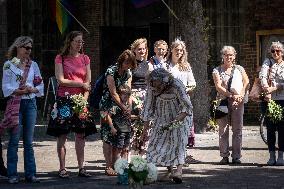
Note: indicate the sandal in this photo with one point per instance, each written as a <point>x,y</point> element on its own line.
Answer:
<point>63,173</point>
<point>83,173</point>
<point>165,177</point>
<point>110,172</point>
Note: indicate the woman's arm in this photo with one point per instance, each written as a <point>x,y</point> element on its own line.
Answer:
<point>191,84</point>
<point>218,85</point>
<point>88,80</point>
<point>114,94</point>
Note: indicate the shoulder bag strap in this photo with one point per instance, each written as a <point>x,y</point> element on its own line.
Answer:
<point>231,78</point>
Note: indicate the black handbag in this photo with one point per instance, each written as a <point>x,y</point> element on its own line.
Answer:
<point>219,109</point>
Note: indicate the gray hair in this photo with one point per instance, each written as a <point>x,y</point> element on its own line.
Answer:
<point>228,48</point>
<point>19,42</point>
<point>162,75</point>
<point>277,45</point>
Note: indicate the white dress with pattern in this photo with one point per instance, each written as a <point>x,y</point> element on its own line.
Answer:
<point>167,148</point>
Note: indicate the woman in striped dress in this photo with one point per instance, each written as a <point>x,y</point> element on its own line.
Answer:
<point>180,68</point>
<point>167,104</point>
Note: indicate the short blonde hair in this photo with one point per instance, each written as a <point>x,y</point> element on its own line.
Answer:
<point>160,42</point>
<point>19,42</point>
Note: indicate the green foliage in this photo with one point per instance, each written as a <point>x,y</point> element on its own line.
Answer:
<point>212,125</point>
<point>275,111</point>
<point>137,176</point>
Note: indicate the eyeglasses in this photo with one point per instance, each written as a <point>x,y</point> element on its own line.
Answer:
<point>228,55</point>
<point>277,51</point>
<point>27,47</point>
<point>79,41</point>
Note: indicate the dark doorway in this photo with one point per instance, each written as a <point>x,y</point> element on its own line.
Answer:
<point>116,39</point>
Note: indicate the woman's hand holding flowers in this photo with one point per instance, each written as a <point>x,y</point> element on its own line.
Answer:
<point>31,89</point>
<point>180,117</point>
<point>21,91</point>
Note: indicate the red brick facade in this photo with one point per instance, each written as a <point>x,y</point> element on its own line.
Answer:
<point>259,15</point>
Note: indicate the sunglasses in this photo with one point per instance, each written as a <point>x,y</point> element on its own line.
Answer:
<point>277,51</point>
<point>27,47</point>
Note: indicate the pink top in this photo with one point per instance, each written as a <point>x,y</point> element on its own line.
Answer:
<point>74,68</point>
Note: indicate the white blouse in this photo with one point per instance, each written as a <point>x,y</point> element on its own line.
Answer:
<point>186,77</point>
<point>277,78</point>
<point>10,83</point>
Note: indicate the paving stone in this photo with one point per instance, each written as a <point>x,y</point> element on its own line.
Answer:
<point>251,174</point>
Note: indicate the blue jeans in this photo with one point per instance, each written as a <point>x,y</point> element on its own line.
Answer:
<point>27,121</point>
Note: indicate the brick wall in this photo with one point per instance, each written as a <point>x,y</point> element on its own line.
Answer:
<point>3,30</point>
<point>91,18</point>
<point>259,15</point>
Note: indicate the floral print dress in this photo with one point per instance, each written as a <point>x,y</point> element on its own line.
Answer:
<point>107,103</point>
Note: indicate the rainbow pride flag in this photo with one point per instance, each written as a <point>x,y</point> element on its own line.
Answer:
<point>60,15</point>
<point>142,3</point>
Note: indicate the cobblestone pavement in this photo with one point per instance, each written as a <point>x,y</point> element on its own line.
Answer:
<point>251,174</point>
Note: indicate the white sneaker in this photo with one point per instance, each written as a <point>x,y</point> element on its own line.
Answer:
<point>13,180</point>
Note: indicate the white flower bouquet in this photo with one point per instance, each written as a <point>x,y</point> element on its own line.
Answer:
<point>79,106</point>
<point>16,62</point>
<point>138,170</point>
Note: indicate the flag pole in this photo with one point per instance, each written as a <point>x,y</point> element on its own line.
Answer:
<point>171,10</point>
<point>73,16</point>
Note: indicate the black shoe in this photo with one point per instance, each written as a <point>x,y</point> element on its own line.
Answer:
<point>224,161</point>
<point>83,173</point>
<point>236,161</point>
<point>177,178</point>
<point>3,171</point>
<point>33,179</point>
